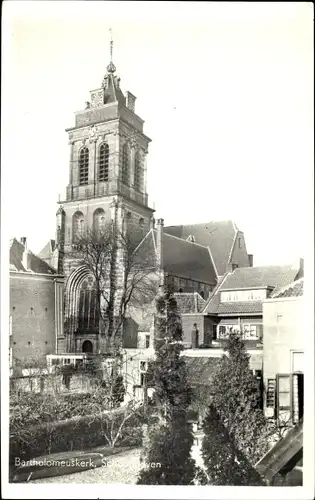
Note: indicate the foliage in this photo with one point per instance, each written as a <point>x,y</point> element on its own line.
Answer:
<point>237,399</point>
<point>171,437</point>
<point>76,433</point>
<point>122,278</point>
<point>225,465</point>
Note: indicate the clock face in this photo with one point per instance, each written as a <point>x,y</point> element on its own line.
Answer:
<point>97,99</point>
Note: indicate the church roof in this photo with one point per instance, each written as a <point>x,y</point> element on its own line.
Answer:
<point>186,259</point>
<point>219,236</point>
<point>181,258</point>
<point>112,92</point>
<point>35,263</point>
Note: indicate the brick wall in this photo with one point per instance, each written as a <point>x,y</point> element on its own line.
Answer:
<point>32,307</point>
<point>188,321</point>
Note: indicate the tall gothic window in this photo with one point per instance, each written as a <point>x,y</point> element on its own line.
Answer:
<point>103,162</point>
<point>137,177</point>
<point>99,220</point>
<point>77,226</point>
<point>125,164</point>
<point>84,166</point>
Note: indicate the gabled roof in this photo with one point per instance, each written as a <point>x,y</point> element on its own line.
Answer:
<point>181,258</point>
<point>262,276</point>
<point>219,236</point>
<point>35,263</point>
<point>186,259</point>
<point>275,277</point>
<point>189,302</point>
<point>294,289</point>
<point>47,251</point>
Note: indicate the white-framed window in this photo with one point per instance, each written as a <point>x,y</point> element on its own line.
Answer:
<point>143,366</point>
<point>243,295</point>
<point>225,330</point>
<point>250,332</point>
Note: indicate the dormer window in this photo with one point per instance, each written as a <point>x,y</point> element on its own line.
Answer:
<point>191,238</point>
<point>243,295</point>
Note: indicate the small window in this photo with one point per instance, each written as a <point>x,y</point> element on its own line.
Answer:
<point>141,222</point>
<point>84,167</point>
<point>104,162</point>
<point>125,164</point>
<point>137,174</point>
<point>147,341</point>
<point>202,294</point>
<point>143,366</point>
<point>142,379</point>
<point>240,243</point>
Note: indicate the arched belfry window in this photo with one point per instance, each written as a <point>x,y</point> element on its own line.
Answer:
<point>84,166</point>
<point>125,164</point>
<point>77,226</point>
<point>103,162</point>
<point>99,220</point>
<point>137,177</point>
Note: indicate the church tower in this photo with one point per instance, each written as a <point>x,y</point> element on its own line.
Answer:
<point>107,175</point>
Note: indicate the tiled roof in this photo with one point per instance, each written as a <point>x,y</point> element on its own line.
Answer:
<point>249,277</point>
<point>35,263</point>
<point>263,276</point>
<point>189,302</point>
<point>254,307</point>
<point>294,289</point>
<point>181,258</point>
<point>219,236</point>
<point>201,370</point>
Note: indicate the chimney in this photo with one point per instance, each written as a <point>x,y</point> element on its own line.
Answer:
<point>130,101</point>
<point>23,241</point>
<point>231,267</point>
<point>26,260</point>
<point>159,247</point>
<point>250,259</point>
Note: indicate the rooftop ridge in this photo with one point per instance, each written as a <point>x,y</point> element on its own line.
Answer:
<point>182,240</point>
<point>287,287</point>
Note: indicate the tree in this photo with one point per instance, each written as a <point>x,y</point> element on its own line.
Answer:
<point>237,399</point>
<point>171,437</point>
<point>225,465</point>
<point>123,279</point>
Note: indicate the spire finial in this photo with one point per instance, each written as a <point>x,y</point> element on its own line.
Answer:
<point>111,67</point>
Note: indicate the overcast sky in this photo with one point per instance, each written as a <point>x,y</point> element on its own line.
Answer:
<point>226,92</point>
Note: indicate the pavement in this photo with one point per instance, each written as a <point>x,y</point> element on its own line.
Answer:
<point>121,468</point>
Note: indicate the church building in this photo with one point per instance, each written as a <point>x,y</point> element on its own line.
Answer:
<point>108,184</point>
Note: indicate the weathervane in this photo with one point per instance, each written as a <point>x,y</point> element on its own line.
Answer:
<point>111,67</point>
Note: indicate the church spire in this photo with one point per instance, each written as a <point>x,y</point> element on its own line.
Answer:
<point>111,67</point>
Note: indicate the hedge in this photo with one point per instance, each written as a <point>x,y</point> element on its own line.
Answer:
<point>72,434</point>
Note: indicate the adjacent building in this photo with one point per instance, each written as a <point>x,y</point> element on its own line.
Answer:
<point>36,306</point>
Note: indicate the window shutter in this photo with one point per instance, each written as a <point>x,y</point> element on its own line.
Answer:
<point>271,397</point>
